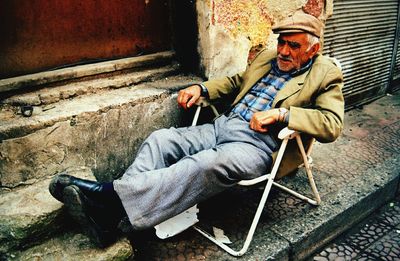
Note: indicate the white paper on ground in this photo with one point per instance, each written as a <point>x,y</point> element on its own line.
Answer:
<point>220,237</point>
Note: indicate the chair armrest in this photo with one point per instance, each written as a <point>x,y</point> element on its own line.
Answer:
<point>203,102</point>
<point>287,133</point>
<point>200,103</point>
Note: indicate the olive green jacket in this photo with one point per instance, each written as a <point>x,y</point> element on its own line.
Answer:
<point>314,99</point>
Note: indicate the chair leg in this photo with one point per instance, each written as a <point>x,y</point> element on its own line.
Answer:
<point>306,164</point>
<point>257,215</point>
<point>251,230</point>
<point>317,199</point>
<point>196,115</point>
<point>296,194</point>
<point>308,170</point>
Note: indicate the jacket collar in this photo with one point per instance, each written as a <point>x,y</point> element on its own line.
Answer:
<point>292,86</point>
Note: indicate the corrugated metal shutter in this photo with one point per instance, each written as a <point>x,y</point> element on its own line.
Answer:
<point>361,34</point>
<point>396,68</point>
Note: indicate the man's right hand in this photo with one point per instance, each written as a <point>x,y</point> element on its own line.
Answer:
<point>189,96</point>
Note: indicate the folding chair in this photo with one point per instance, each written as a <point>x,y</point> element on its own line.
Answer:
<point>189,218</point>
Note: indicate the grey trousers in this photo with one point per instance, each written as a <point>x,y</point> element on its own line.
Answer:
<point>177,168</point>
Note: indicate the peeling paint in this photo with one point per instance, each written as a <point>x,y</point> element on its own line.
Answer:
<point>232,32</point>
<point>314,7</point>
<point>243,17</point>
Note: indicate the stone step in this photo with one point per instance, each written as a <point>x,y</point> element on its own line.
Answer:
<point>78,72</point>
<point>102,131</point>
<point>98,124</point>
<point>30,214</point>
<point>73,246</point>
<point>51,95</point>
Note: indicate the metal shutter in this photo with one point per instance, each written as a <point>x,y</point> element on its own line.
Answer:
<point>360,34</point>
<point>396,67</point>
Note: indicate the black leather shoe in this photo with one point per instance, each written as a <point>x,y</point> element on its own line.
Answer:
<point>61,181</point>
<point>95,218</point>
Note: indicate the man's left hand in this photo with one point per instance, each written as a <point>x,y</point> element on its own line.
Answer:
<point>262,119</point>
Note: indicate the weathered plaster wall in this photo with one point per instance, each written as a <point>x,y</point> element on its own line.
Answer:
<point>232,31</point>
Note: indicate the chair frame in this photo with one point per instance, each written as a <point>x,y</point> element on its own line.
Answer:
<point>285,135</point>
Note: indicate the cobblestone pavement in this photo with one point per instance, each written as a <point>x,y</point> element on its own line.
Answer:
<point>375,238</point>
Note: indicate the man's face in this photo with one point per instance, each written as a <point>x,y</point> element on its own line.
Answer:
<point>293,51</point>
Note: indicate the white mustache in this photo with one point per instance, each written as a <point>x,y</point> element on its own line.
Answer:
<point>285,58</point>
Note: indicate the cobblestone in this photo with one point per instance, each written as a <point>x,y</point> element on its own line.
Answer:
<point>377,238</point>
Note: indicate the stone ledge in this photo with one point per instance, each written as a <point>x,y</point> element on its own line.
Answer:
<point>65,110</point>
<point>74,246</point>
<point>51,95</point>
<point>16,83</point>
<point>30,213</point>
<point>13,126</point>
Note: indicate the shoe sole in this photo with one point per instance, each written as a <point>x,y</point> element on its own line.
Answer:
<point>75,203</point>
<point>56,186</point>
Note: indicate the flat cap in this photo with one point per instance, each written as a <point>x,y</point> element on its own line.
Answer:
<point>299,22</point>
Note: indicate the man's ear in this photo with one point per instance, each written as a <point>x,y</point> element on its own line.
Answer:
<point>314,49</point>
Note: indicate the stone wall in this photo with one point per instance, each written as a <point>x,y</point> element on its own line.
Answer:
<point>105,140</point>
<point>231,32</point>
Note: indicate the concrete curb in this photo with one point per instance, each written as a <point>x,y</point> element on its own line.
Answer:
<point>339,211</point>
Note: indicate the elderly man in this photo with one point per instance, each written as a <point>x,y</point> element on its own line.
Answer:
<point>176,168</point>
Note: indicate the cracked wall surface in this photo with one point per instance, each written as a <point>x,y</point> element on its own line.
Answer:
<point>231,32</point>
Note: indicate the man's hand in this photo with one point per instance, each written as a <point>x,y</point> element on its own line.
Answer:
<point>261,119</point>
<point>188,96</point>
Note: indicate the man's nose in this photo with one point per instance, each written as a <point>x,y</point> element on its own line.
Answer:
<point>284,50</point>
